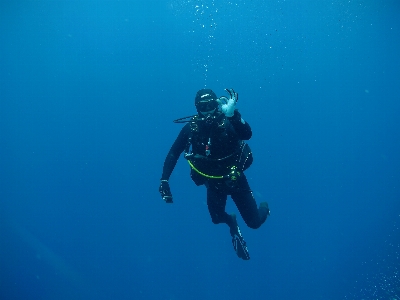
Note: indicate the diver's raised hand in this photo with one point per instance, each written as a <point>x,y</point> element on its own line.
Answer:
<point>228,104</point>
<point>165,191</point>
<point>233,95</point>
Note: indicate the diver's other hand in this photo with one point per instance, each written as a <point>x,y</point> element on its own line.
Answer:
<point>228,105</point>
<point>165,191</point>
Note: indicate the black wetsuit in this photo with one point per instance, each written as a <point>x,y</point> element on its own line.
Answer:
<point>214,150</point>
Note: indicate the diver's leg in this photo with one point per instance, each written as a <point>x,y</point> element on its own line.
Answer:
<point>216,202</point>
<point>247,206</point>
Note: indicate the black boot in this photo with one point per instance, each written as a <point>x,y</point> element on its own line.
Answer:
<point>264,211</point>
<point>239,244</point>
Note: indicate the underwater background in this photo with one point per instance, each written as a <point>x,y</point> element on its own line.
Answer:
<point>88,92</point>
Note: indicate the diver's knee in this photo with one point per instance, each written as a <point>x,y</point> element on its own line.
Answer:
<point>253,224</point>
<point>215,220</point>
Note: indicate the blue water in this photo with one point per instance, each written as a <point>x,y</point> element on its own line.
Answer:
<point>88,92</point>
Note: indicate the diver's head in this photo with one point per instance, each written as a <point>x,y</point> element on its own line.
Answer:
<point>206,103</point>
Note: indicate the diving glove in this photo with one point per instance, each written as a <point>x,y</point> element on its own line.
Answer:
<point>165,191</point>
<point>228,104</point>
<point>238,242</point>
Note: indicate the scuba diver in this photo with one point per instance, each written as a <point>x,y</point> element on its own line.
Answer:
<point>213,144</point>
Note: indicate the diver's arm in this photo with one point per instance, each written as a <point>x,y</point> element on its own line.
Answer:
<point>176,149</point>
<point>242,128</point>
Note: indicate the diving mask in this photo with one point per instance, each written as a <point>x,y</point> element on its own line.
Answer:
<point>207,105</point>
